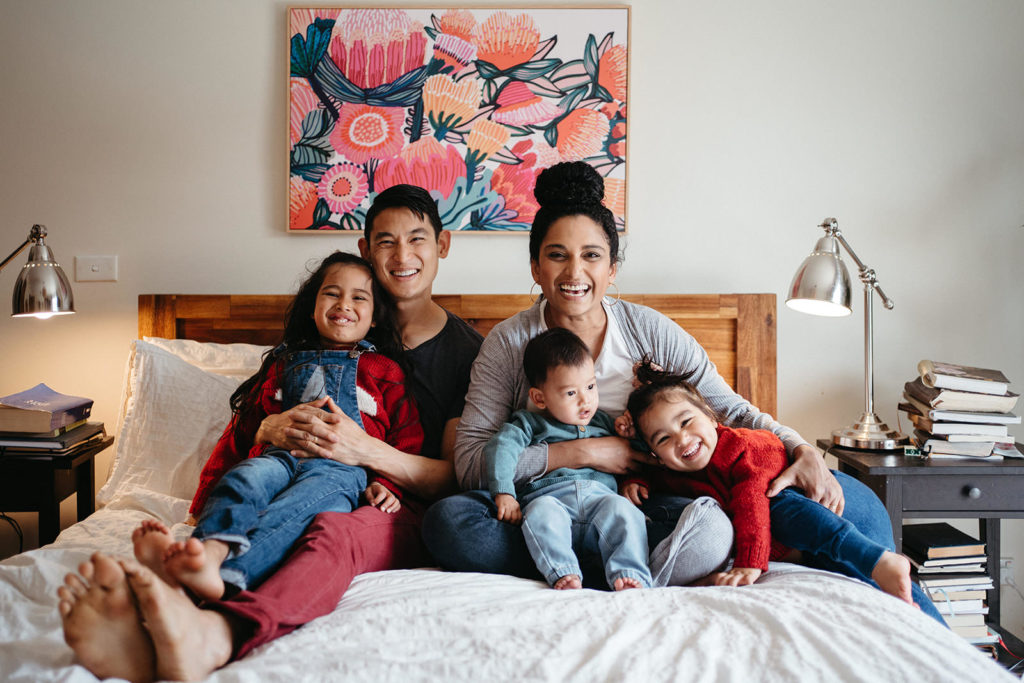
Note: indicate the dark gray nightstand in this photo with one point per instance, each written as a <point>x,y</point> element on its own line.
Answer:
<point>914,487</point>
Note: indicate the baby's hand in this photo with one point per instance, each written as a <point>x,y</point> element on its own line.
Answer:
<point>624,426</point>
<point>737,576</point>
<point>635,492</point>
<point>379,496</point>
<point>508,509</point>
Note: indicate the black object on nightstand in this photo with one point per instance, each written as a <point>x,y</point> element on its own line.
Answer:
<point>39,482</point>
<point>916,487</point>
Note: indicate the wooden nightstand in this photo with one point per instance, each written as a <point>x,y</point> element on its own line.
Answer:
<point>914,487</point>
<point>39,483</point>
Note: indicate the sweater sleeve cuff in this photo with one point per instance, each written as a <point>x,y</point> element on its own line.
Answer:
<point>754,558</point>
<point>498,487</point>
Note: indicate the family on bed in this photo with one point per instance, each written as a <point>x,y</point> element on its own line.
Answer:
<point>347,449</point>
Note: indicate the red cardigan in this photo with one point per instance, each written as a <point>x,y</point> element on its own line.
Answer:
<point>737,476</point>
<point>396,422</point>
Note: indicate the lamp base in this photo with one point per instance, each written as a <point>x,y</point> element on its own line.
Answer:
<point>869,433</point>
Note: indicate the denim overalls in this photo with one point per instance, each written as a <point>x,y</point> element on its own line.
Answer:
<point>262,505</point>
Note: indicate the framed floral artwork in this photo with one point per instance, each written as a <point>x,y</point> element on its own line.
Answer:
<point>470,104</point>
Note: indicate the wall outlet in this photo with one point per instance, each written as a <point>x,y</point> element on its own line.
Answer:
<point>1005,571</point>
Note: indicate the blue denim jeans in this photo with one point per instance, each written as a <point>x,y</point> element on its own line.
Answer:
<point>261,507</point>
<point>585,516</point>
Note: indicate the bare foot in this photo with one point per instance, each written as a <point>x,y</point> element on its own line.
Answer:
<point>624,582</point>
<point>101,623</point>
<point>892,574</point>
<point>151,539</point>
<point>190,642</point>
<point>195,565</point>
<point>568,582</point>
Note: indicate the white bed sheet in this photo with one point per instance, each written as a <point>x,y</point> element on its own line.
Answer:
<point>427,625</point>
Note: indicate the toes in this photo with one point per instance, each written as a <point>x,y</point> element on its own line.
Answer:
<point>108,571</point>
<point>74,585</point>
<point>87,570</point>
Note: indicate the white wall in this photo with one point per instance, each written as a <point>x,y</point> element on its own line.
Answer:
<point>155,130</point>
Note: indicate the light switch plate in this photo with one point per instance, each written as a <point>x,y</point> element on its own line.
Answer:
<point>95,268</point>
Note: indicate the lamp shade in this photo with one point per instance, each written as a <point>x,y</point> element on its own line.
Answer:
<point>821,286</point>
<point>42,288</point>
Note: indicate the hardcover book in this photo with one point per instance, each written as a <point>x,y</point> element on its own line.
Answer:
<point>940,539</point>
<point>64,442</point>
<point>947,399</point>
<point>962,377</point>
<point>914,406</point>
<point>41,409</point>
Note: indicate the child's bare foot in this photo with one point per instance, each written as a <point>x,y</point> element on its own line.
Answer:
<point>892,574</point>
<point>101,623</point>
<point>190,642</point>
<point>151,539</point>
<point>568,582</point>
<point>195,565</point>
<point>624,582</point>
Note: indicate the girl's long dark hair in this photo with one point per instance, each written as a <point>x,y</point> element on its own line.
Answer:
<point>654,383</point>
<point>300,332</point>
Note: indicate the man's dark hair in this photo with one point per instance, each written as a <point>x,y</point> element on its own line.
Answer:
<point>411,197</point>
<point>551,349</point>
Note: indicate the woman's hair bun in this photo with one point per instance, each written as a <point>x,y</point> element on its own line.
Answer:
<point>571,184</point>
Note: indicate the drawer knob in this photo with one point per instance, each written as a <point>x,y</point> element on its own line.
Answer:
<point>974,493</point>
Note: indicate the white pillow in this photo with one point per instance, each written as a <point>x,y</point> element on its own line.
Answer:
<point>172,414</point>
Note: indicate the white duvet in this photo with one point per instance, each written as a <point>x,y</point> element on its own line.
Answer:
<point>427,625</point>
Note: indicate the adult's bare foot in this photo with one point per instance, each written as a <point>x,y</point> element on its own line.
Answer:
<point>190,642</point>
<point>195,565</point>
<point>568,582</point>
<point>151,539</point>
<point>102,624</point>
<point>892,574</point>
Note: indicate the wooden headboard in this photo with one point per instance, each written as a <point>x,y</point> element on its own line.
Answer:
<point>738,330</point>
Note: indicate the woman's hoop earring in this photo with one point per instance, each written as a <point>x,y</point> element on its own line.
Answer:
<point>533,299</point>
<point>618,295</point>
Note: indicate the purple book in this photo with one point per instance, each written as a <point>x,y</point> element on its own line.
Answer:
<point>41,409</point>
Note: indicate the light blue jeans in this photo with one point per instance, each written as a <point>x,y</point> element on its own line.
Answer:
<point>587,517</point>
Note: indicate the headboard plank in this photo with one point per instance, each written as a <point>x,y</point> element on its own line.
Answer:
<point>737,330</point>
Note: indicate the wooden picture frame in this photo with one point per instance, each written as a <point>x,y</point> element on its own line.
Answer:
<point>470,103</point>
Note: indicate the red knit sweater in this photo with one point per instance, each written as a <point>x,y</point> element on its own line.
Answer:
<point>737,476</point>
<point>396,422</point>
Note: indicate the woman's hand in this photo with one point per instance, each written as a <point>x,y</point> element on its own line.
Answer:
<point>742,576</point>
<point>508,509</point>
<point>635,492</point>
<point>809,473</point>
<point>380,497</point>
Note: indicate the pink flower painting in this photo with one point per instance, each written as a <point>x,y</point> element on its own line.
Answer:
<point>469,103</point>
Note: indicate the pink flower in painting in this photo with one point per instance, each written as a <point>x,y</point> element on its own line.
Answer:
<point>375,46</point>
<point>302,196</point>
<point>515,183</point>
<point>506,41</point>
<point>303,100</point>
<point>615,196</point>
<point>581,134</point>
<point>612,71</point>
<point>519,106</point>
<point>363,132</point>
<point>454,51</point>
<point>343,186</point>
<point>426,163</point>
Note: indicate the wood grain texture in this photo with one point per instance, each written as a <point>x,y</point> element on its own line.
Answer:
<point>737,330</point>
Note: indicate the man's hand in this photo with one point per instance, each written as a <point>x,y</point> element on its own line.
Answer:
<point>508,509</point>
<point>809,473</point>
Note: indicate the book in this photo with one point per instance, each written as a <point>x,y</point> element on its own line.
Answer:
<point>935,427</point>
<point>41,409</point>
<point>946,569</point>
<point>940,446</point>
<point>962,378</point>
<point>938,540</point>
<point>970,631</point>
<point>945,561</point>
<point>956,582</point>
<point>962,608</point>
<point>948,399</point>
<point>914,407</point>
<point>63,442</point>
<point>941,595</point>
<point>43,435</point>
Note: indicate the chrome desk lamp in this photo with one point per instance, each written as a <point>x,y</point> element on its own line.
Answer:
<point>42,289</point>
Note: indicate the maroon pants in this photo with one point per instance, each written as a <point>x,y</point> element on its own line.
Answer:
<point>336,548</point>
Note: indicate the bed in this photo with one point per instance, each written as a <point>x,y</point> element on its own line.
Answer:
<point>429,625</point>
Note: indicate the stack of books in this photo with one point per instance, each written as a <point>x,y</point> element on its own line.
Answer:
<point>951,568</point>
<point>41,421</point>
<point>960,411</point>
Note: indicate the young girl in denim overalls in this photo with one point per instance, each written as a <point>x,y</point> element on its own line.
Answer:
<point>251,512</point>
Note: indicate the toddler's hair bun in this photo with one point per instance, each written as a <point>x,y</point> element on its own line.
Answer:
<point>569,184</point>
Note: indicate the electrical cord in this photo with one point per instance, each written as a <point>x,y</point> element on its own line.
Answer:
<point>17,529</point>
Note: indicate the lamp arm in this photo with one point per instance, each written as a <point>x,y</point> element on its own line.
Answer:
<point>16,252</point>
<point>867,275</point>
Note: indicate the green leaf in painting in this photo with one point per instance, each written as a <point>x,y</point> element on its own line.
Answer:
<point>551,135</point>
<point>307,53</point>
<point>531,70</point>
<point>321,213</point>
<point>336,85</point>
<point>590,58</point>
<point>311,172</point>
<point>486,69</point>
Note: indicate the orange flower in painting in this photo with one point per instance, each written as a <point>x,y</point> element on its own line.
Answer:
<point>615,196</point>
<point>376,46</point>
<point>459,23</point>
<point>515,183</point>
<point>302,196</point>
<point>506,41</point>
<point>612,71</point>
<point>363,132</point>
<point>581,134</point>
<point>426,163</point>
<point>303,100</point>
<point>485,138</point>
<point>448,102</point>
